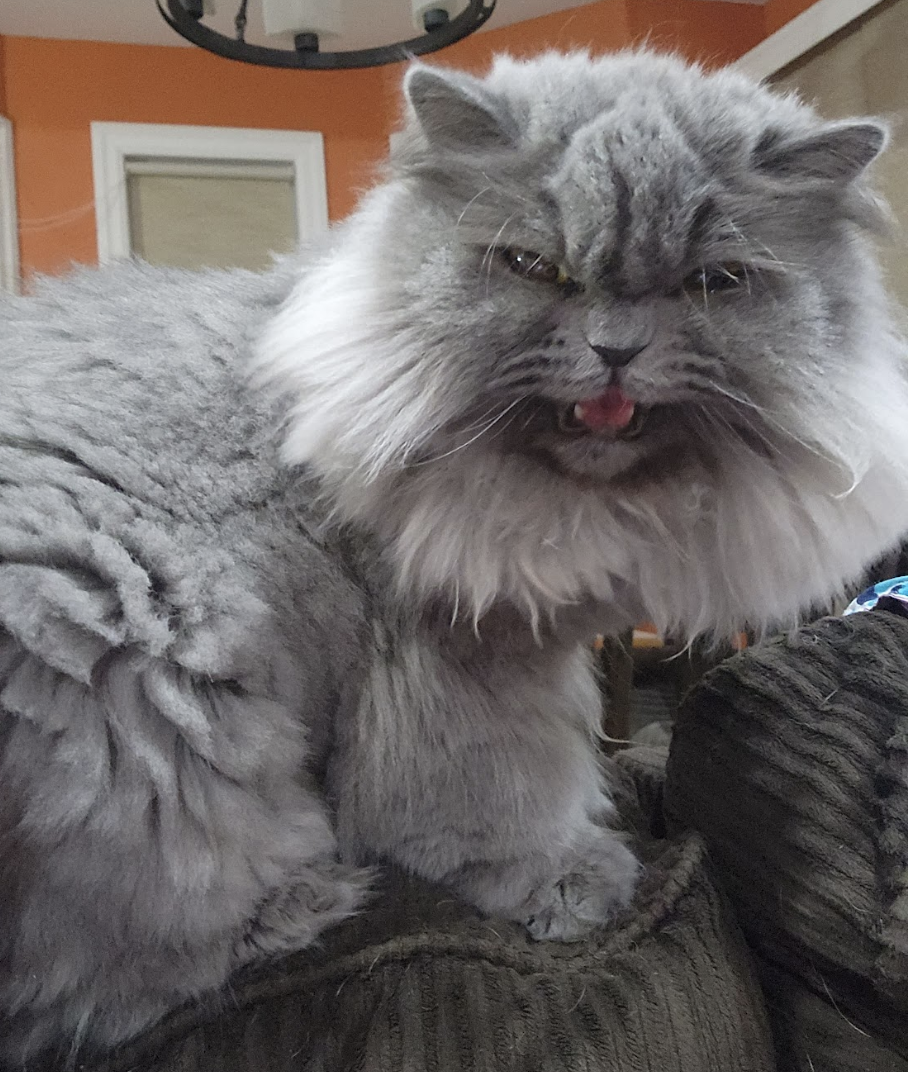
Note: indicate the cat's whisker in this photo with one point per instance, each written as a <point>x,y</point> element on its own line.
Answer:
<point>513,194</point>
<point>461,446</point>
<point>479,421</point>
<point>736,441</point>
<point>456,609</point>
<point>467,206</point>
<point>774,445</point>
<point>773,256</point>
<point>486,266</point>
<point>741,418</point>
<point>749,403</point>
<point>747,279</point>
<point>749,244</point>
<point>779,267</point>
<point>770,419</point>
<point>698,309</point>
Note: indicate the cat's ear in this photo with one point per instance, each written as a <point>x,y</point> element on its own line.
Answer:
<point>837,152</point>
<point>456,111</point>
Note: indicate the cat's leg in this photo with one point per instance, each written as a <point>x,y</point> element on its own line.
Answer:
<point>486,775</point>
<point>559,896</point>
<point>155,837</point>
<point>317,895</point>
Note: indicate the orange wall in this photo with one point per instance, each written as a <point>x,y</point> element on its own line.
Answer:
<point>778,12</point>
<point>2,78</point>
<point>52,90</point>
<point>699,29</point>
<point>598,27</point>
<point>714,33</point>
<point>705,30</point>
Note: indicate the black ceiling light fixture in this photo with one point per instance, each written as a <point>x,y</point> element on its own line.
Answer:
<point>304,22</point>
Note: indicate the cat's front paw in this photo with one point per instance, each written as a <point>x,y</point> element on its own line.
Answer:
<point>292,917</point>
<point>598,885</point>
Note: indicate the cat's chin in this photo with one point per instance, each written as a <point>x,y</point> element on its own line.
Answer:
<point>641,450</point>
<point>614,462</point>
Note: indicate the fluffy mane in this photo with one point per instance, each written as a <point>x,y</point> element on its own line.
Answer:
<point>747,531</point>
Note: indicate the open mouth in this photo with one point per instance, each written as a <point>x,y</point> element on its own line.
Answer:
<point>612,414</point>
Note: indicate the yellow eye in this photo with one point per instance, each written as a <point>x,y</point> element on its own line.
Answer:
<point>534,266</point>
<point>716,278</point>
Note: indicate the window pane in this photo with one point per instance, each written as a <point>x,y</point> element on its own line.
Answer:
<point>217,220</point>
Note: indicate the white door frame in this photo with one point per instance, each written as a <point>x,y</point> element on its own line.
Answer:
<point>804,32</point>
<point>112,144</point>
<point>9,226</point>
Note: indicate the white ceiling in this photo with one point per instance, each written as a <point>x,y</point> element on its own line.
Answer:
<point>367,22</point>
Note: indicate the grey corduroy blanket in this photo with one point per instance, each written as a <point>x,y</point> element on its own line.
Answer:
<point>790,763</point>
<point>422,982</point>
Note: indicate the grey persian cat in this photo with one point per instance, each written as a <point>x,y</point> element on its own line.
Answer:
<point>298,572</point>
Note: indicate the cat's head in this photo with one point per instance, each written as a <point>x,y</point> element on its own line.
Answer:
<point>612,277</point>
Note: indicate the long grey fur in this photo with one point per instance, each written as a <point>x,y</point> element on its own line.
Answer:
<point>297,575</point>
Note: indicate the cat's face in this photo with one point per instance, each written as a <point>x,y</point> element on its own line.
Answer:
<point>614,267</point>
<point>608,323</point>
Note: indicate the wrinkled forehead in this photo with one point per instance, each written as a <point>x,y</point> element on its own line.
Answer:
<point>632,195</point>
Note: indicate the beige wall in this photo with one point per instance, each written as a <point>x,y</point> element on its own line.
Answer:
<point>863,70</point>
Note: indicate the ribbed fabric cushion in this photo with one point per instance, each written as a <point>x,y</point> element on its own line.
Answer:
<point>422,983</point>
<point>792,761</point>
<point>645,766</point>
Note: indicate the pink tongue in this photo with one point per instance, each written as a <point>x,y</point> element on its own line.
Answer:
<point>613,409</point>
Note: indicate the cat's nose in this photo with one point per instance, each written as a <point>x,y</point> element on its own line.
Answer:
<point>618,358</point>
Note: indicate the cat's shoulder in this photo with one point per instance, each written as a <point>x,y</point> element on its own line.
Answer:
<point>140,373</point>
<point>133,317</point>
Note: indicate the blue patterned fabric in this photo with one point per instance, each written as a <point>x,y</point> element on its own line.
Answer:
<point>891,595</point>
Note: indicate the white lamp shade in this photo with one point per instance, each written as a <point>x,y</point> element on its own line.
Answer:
<point>420,7</point>
<point>322,17</point>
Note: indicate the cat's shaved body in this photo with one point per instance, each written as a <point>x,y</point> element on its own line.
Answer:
<point>608,343</point>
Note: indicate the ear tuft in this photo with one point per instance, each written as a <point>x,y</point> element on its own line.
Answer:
<point>456,111</point>
<point>838,152</point>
